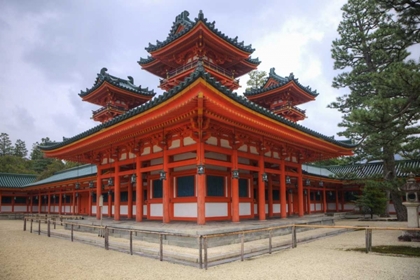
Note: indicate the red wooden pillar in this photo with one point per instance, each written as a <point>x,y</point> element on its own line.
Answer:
<point>73,204</point>
<point>166,186</point>
<point>324,200</point>
<point>130,199</point>
<point>301,211</point>
<point>235,188</point>
<point>289,200</point>
<point>49,203</point>
<point>201,188</point>
<point>283,213</point>
<point>60,203</point>
<point>336,200</point>
<point>39,203</point>
<point>13,203</point>
<point>270,196</point>
<point>117,194</point>
<point>110,203</point>
<point>98,192</point>
<point>90,196</point>
<point>139,190</point>
<point>309,201</point>
<point>261,189</point>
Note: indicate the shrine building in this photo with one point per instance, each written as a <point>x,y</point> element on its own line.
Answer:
<point>199,151</point>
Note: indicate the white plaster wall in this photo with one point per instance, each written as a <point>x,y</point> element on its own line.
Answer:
<point>216,209</point>
<point>276,155</point>
<point>156,149</point>
<point>243,148</point>
<point>243,160</point>
<point>146,151</point>
<point>318,207</point>
<point>276,208</point>
<point>331,206</point>
<point>312,207</point>
<point>217,156</point>
<point>187,167</point>
<point>184,156</point>
<point>134,208</point>
<point>123,209</point>
<point>245,208</point>
<point>266,209</point>
<point>185,210</point>
<point>175,144</point>
<point>255,208</point>
<point>94,209</point>
<point>212,141</point>
<point>105,209</point>
<point>144,209</point>
<point>20,208</point>
<point>349,206</point>
<point>253,150</point>
<point>6,208</point>
<point>112,210</point>
<point>34,208</point>
<point>188,141</point>
<point>225,143</point>
<point>156,210</point>
<point>156,161</point>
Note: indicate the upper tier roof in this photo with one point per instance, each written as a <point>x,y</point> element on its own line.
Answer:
<point>186,24</point>
<point>198,73</point>
<point>9,180</point>
<point>103,77</point>
<point>279,82</point>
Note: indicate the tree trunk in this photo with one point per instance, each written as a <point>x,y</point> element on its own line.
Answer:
<point>390,176</point>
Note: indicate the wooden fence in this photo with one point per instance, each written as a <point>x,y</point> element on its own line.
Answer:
<point>202,240</point>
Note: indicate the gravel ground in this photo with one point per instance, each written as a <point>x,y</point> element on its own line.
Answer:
<point>29,256</point>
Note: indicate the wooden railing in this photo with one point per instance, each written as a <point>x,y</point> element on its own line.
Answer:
<point>203,248</point>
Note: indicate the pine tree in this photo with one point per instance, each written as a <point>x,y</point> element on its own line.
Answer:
<point>6,147</point>
<point>256,79</point>
<point>20,149</point>
<point>373,199</point>
<point>382,111</point>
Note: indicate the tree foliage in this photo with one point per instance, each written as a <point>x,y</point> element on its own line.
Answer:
<point>381,113</point>
<point>373,199</point>
<point>256,79</point>
<point>6,147</point>
<point>20,149</point>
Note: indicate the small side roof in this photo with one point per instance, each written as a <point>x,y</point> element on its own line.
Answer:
<point>68,174</point>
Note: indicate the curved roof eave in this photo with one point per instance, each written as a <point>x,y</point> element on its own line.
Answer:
<point>198,73</point>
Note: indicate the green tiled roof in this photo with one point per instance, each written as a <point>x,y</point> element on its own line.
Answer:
<point>374,169</point>
<point>183,19</point>
<point>8,180</point>
<point>198,73</point>
<point>282,81</point>
<point>103,76</point>
<point>72,173</point>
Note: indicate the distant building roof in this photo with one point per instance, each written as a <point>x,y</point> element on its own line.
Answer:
<point>8,180</point>
<point>72,173</point>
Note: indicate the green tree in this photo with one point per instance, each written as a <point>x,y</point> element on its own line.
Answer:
<point>39,162</point>
<point>373,199</point>
<point>20,149</point>
<point>6,147</point>
<point>14,164</point>
<point>256,79</point>
<point>381,113</point>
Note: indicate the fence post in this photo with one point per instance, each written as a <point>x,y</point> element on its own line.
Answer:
<point>106,238</point>
<point>55,222</point>
<point>39,226</point>
<point>160,247</point>
<point>32,220</point>
<point>24,224</point>
<point>370,240</point>
<point>269,242</point>
<point>49,232</point>
<point>205,253</point>
<point>131,243</point>
<point>242,246</point>
<point>294,243</point>
<point>200,252</point>
<point>368,237</point>
<point>71,232</point>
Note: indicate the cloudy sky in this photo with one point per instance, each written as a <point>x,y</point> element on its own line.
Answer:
<point>50,50</point>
